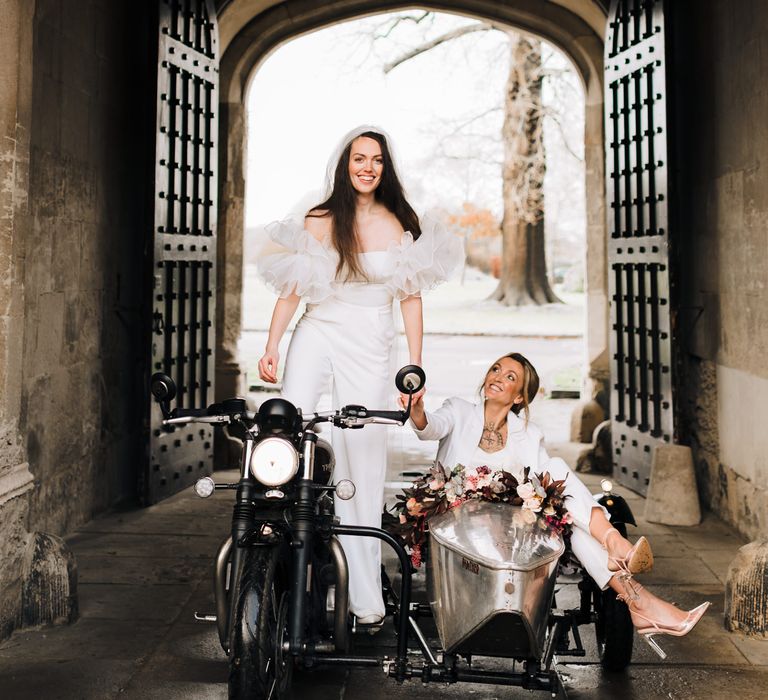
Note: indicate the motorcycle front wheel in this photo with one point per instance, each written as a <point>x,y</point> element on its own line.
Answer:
<point>258,667</point>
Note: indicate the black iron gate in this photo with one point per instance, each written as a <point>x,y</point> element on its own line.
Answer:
<point>637,150</point>
<point>184,271</point>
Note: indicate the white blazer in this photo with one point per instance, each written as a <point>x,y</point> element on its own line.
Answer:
<point>458,425</point>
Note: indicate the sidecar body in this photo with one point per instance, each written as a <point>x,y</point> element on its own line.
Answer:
<point>491,579</point>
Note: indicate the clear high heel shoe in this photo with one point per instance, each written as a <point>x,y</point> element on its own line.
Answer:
<point>656,628</point>
<point>637,560</point>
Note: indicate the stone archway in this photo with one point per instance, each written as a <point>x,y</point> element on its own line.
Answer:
<point>251,29</point>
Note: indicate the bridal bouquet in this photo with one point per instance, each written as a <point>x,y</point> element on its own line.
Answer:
<point>541,497</point>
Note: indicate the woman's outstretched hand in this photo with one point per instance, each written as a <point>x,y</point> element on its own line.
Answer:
<point>268,366</point>
<point>418,416</point>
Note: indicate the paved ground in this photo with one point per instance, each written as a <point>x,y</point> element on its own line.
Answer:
<point>143,573</point>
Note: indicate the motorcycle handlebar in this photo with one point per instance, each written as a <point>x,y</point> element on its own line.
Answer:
<point>182,416</point>
<point>356,417</point>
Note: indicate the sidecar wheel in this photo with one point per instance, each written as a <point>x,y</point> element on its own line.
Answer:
<point>258,667</point>
<point>614,631</point>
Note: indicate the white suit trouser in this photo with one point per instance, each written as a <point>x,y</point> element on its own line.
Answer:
<point>351,344</point>
<point>580,503</point>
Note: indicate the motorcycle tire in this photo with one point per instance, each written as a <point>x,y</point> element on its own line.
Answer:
<point>614,631</point>
<point>258,668</point>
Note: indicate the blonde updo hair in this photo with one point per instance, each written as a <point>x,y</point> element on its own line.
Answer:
<point>530,382</point>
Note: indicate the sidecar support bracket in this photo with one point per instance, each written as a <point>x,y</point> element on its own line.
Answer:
<point>542,680</point>
<point>399,667</point>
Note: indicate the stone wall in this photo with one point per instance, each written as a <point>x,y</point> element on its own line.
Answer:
<point>15,477</point>
<point>721,57</point>
<point>88,202</point>
<point>76,135</point>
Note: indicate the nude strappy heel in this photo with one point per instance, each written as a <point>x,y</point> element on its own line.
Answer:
<point>637,560</point>
<point>654,627</point>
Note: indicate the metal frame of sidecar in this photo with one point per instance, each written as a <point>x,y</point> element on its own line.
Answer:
<point>436,666</point>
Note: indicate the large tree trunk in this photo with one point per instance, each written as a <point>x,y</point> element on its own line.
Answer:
<point>523,264</point>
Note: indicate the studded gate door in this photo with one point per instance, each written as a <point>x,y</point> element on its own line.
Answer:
<point>637,151</point>
<point>184,261</point>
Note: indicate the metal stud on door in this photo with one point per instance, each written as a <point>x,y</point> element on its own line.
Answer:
<point>637,151</point>
<point>184,237</point>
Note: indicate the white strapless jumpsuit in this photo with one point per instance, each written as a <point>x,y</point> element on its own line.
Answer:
<point>346,335</point>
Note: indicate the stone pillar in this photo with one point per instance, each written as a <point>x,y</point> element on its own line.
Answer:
<point>672,498</point>
<point>31,562</point>
<point>230,380</point>
<point>16,481</point>
<point>597,381</point>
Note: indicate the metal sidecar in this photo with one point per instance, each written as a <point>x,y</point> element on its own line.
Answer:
<point>491,580</point>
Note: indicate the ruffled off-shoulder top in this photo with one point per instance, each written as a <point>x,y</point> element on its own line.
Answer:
<point>294,261</point>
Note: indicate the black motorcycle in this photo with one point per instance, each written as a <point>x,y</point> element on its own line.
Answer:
<point>281,577</point>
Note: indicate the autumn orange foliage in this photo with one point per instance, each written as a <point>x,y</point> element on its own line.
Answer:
<point>475,222</point>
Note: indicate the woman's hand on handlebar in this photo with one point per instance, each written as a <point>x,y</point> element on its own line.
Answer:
<point>268,366</point>
<point>418,416</point>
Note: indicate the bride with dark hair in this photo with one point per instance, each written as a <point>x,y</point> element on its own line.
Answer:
<point>355,253</point>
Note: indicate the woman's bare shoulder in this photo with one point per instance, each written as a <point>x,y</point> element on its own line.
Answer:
<point>318,222</point>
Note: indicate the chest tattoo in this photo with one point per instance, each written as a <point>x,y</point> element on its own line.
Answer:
<point>492,439</point>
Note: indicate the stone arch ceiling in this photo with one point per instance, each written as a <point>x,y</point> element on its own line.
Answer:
<point>235,14</point>
<point>573,25</point>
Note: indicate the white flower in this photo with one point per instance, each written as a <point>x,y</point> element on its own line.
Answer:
<point>529,517</point>
<point>538,488</point>
<point>532,504</point>
<point>484,481</point>
<point>549,510</point>
<point>525,491</point>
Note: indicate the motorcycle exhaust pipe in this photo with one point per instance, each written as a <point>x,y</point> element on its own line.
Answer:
<point>341,599</point>
<point>220,592</point>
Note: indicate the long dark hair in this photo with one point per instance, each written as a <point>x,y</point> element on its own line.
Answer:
<point>342,202</point>
<point>530,382</point>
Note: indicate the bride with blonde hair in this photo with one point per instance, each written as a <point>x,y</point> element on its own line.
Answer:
<point>493,433</point>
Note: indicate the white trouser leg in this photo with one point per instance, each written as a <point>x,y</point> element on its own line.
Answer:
<point>591,555</point>
<point>580,503</point>
<point>361,375</point>
<point>352,344</point>
<point>307,368</point>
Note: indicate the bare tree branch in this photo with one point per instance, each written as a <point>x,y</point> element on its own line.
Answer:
<point>555,117</point>
<point>384,34</point>
<point>443,38</point>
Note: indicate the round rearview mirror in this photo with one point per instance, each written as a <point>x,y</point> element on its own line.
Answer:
<point>162,387</point>
<point>410,379</point>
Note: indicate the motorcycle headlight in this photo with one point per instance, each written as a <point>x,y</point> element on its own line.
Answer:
<point>274,461</point>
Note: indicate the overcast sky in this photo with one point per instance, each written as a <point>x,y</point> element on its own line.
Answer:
<point>312,90</point>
